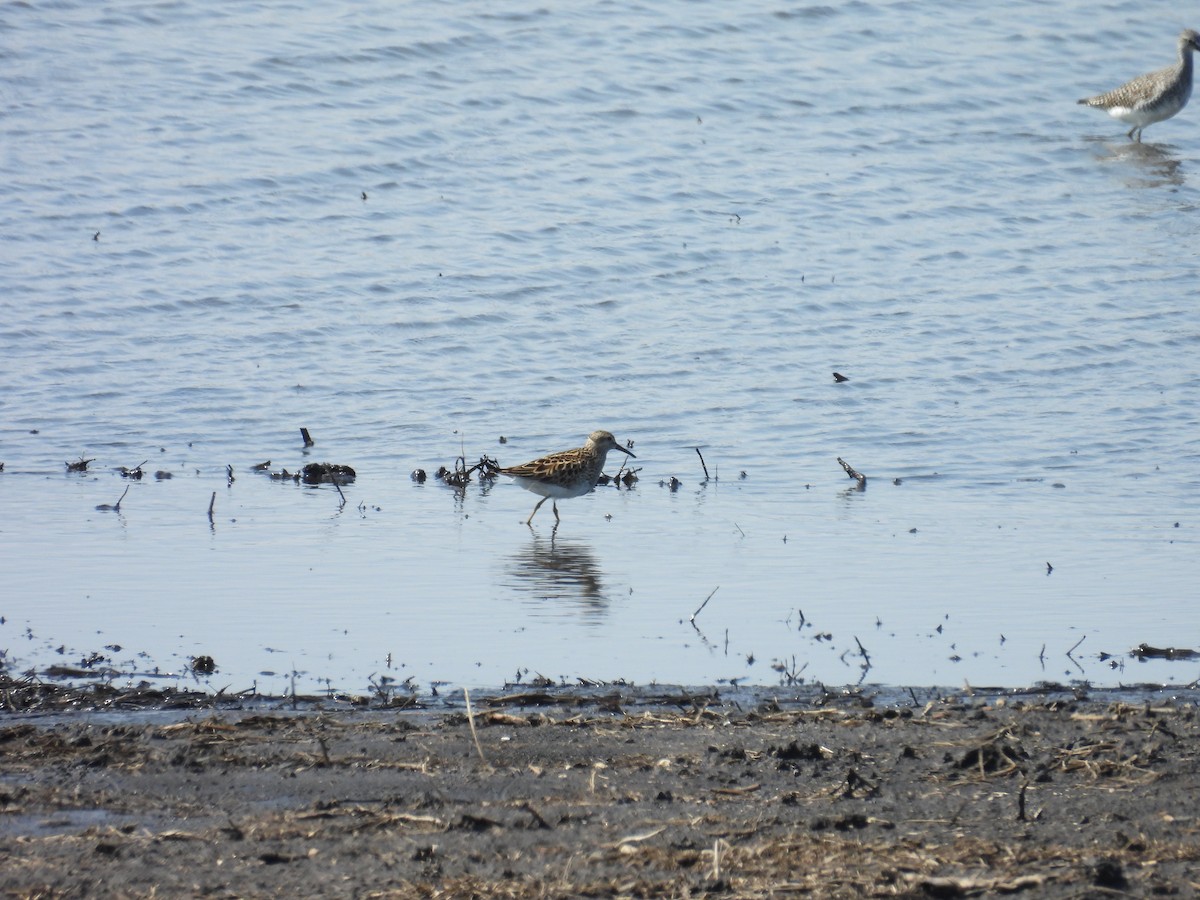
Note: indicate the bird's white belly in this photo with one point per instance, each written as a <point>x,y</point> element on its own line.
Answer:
<point>554,491</point>
<point>1144,116</point>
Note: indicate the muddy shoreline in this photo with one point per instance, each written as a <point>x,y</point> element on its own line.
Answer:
<point>605,791</point>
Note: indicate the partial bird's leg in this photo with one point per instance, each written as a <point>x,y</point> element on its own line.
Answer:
<point>529,521</point>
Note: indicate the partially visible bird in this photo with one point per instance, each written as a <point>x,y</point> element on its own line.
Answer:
<point>1155,96</point>
<point>568,473</point>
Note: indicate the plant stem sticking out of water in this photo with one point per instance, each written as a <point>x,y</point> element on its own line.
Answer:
<point>704,604</point>
<point>116,507</point>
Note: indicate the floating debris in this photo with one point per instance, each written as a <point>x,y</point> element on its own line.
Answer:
<point>625,477</point>
<point>853,473</point>
<point>460,477</point>
<point>326,473</point>
<point>1145,651</point>
<point>80,465</point>
<point>115,507</point>
<point>134,473</point>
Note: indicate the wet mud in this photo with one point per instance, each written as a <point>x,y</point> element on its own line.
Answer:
<point>607,792</point>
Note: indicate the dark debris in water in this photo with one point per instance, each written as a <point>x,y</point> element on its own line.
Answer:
<point>624,478</point>
<point>313,473</point>
<point>326,473</point>
<point>80,465</point>
<point>1146,651</point>
<point>487,469</point>
<point>134,473</point>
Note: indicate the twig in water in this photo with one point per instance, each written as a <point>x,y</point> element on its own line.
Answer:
<point>308,441</point>
<point>211,504</point>
<point>863,650</point>
<point>116,507</point>
<point>333,478</point>
<point>1074,648</point>
<point>702,465</point>
<point>853,473</point>
<point>704,604</point>
<point>471,722</point>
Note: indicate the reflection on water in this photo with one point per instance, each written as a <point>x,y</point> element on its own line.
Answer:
<point>557,571</point>
<point>1154,164</point>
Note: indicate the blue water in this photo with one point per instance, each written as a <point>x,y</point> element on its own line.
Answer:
<point>672,221</point>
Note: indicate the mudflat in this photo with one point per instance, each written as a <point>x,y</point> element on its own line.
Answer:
<point>608,792</point>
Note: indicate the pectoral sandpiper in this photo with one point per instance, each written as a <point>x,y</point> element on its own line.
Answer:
<point>1155,96</point>
<point>568,473</point>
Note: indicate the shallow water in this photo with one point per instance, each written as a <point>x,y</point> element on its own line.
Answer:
<point>674,222</point>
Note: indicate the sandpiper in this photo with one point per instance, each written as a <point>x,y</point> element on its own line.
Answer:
<point>1155,96</point>
<point>568,473</point>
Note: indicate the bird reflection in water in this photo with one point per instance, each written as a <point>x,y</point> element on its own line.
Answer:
<point>1154,165</point>
<point>561,571</point>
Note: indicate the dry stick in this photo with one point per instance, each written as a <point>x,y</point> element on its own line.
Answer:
<point>702,465</point>
<point>471,722</point>
<point>704,604</point>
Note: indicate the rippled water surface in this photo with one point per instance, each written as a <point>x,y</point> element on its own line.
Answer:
<point>417,228</point>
